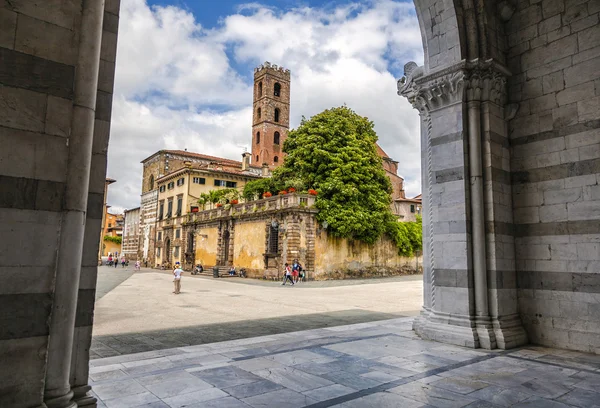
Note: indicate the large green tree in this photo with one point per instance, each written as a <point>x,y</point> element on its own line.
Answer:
<point>335,153</point>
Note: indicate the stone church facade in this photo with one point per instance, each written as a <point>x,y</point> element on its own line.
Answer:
<point>509,103</point>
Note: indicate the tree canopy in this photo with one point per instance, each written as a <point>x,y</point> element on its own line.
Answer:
<point>335,153</point>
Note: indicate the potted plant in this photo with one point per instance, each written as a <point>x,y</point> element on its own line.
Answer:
<point>267,194</point>
<point>234,202</point>
<point>312,192</point>
<point>291,190</point>
<point>219,205</point>
<point>282,192</point>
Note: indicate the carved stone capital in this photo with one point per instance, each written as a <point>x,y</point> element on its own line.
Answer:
<point>466,81</point>
<point>486,81</point>
<point>427,93</point>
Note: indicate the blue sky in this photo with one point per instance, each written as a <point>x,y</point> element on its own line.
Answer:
<point>184,75</point>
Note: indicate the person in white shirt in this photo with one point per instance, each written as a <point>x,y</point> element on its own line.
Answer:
<point>177,272</point>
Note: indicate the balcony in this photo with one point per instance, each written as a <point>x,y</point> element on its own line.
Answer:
<point>271,204</point>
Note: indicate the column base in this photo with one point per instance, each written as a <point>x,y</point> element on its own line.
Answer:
<point>421,320</point>
<point>81,397</point>
<point>509,332</point>
<point>485,333</point>
<point>451,329</point>
<point>62,401</point>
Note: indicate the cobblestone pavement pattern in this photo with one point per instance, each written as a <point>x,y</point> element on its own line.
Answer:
<point>139,313</point>
<point>378,364</point>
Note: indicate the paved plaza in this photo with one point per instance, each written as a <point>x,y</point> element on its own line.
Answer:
<point>378,364</point>
<point>136,312</point>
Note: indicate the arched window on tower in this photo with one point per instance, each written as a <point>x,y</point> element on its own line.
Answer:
<point>276,115</point>
<point>260,89</point>
<point>151,182</point>
<point>276,138</point>
<point>277,89</point>
<point>259,113</point>
<point>257,159</point>
<point>257,137</point>
<point>275,159</point>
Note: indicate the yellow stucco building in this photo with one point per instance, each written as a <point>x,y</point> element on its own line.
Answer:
<point>178,195</point>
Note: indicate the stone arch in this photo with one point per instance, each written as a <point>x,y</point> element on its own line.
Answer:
<point>457,30</point>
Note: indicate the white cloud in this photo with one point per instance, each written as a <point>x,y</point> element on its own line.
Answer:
<point>176,86</point>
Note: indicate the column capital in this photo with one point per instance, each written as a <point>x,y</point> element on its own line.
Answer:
<point>474,80</point>
<point>433,91</point>
<point>486,82</point>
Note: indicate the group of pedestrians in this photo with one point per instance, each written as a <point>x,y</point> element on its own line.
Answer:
<point>293,273</point>
<point>115,261</point>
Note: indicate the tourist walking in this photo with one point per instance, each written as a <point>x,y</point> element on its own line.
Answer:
<point>177,278</point>
<point>288,275</point>
<point>296,268</point>
<point>123,262</point>
<point>137,265</point>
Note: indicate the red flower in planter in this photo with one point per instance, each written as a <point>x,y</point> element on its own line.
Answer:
<point>219,205</point>
<point>234,202</point>
<point>291,190</point>
<point>267,195</point>
<point>282,192</point>
<point>312,192</point>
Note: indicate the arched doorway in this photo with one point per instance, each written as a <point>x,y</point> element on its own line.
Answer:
<point>225,247</point>
<point>167,256</point>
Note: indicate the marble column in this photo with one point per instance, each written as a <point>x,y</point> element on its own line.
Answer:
<point>57,393</point>
<point>462,305</point>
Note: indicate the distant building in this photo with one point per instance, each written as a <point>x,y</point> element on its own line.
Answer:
<point>131,234</point>
<point>407,209</point>
<point>105,247</point>
<point>163,163</point>
<point>178,194</point>
<point>112,233</point>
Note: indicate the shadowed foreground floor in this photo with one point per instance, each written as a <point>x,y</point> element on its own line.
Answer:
<point>378,364</point>
<point>126,343</point>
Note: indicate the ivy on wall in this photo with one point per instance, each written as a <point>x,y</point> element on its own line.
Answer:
<point>116,240</point>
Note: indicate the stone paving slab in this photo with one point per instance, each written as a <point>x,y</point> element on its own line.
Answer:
<point>349,367</point>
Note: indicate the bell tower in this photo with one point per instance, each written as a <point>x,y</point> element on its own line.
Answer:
<point>271,114</point>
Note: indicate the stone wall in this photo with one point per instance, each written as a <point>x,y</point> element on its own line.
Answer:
<point>206,238</point>
<point>339,258</point>
<point>249,246</point>
<point>554,57</point>
<point>292,218</point>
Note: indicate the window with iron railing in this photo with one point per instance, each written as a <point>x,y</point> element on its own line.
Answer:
<point>179,205</point>
<point>170,208</point>
<point>273,240</point>
<point>161,210</point>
